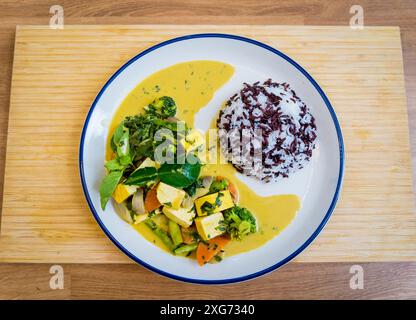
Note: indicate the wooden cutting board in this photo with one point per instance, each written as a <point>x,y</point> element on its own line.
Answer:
<point>57,73</point>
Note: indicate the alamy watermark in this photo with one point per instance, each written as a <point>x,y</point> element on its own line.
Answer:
<point>357,280</point>
<point>57,19</point>
<point>357,19</point>
<point>56,282</point>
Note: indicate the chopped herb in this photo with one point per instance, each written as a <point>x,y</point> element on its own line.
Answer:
<point>195,235</point>
<point>209,207</point>
<point>218,201</point>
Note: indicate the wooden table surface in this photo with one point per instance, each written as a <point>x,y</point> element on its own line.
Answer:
<point>295,280</point>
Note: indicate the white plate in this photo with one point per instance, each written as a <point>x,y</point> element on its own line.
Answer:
<point>318,184</point>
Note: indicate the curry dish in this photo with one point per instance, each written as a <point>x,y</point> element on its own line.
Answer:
<point>191,207</point>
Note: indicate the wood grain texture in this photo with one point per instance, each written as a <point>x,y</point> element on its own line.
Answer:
<point>58,73</point>
<point>293,281</point>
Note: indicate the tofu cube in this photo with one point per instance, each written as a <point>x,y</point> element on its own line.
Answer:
<point>210,226</point>
<point>193,140</point>
<point>181,216</point>
<point>122,192</point>
<point>147,163</point>
<point>169,195</point>
<point>214,202</point>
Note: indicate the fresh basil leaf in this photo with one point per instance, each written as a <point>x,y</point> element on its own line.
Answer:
<point>141,177</point>
<point>179,175</point>
<point>108,185</point>
<point>118,133</point>
<point>114,165</point>
<point>125,160</point>
<point>123,146</point>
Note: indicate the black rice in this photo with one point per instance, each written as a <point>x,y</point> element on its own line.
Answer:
<point>288,130</point>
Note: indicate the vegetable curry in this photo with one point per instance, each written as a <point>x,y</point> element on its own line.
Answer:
<point>189,209</point>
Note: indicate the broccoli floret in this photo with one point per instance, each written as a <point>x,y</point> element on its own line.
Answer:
<point>163,107</point>
<point>239,222</point>
<point>218,185</point>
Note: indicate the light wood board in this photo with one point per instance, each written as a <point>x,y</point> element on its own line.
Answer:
<point>57,73</point>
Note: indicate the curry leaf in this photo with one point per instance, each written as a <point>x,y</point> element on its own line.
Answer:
<point>179,175</point>
<point>143,176</point>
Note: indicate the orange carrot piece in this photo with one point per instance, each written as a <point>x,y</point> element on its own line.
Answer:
<point>207,250</point>
<point>151,202</point>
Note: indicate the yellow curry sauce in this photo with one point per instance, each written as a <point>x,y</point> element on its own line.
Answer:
<point>192,85</point>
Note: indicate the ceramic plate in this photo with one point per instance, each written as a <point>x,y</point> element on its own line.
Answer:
<point>318,184</point>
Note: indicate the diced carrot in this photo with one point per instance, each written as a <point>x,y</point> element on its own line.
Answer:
<point>151,202</point>
<point>207,250</point>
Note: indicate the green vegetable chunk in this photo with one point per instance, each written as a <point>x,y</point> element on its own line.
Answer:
<point>163,107</point>
<point>179,175</point>
<point>108,185</point>
<point>186,248</point>
<point>239,222</point>
<point>161,234</point>
<point>175,232</point>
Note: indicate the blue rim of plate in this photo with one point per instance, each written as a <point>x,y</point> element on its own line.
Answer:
<point>253,275</point>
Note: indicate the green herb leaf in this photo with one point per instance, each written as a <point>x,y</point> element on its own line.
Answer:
<point>141,177</point>
<point>179,175</point>
<point>114,165</point>
<point>118,133</point>
<point>108,185</point>
<point>125,160</point>
<point>123,146</point>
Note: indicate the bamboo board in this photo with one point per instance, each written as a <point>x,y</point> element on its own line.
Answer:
<point>57,74</point>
